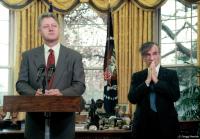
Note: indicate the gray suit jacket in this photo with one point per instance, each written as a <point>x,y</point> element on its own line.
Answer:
<point>69,78</point>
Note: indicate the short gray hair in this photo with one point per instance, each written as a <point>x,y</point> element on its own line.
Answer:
<point>147,46</point>
<point>47,15</point>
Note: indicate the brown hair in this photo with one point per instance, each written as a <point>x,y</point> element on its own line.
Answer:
<point>47,15</point>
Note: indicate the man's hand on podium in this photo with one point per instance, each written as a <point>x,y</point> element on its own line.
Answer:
<point>53,92</point>
<point>39,92</point>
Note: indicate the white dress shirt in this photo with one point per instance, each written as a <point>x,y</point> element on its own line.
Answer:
<point>56,50</point>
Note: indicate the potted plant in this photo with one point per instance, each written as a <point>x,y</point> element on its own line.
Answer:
<point>188,105</point>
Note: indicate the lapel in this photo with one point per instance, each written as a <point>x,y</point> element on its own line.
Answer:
<point>38,56</point>
<point>60,66</point>
<point>144,74</point>
<point>162,73</point>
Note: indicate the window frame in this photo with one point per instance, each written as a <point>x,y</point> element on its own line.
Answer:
<point>179,67</point>
<point>11,56</point>
<point>93,68</point>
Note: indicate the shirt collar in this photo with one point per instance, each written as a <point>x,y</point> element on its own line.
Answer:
<point>157,68</point>
<point>55,47</point>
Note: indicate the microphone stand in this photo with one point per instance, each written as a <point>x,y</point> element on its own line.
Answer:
<point>46,114</point>
<point>47,125</point>
<point>43,84</point>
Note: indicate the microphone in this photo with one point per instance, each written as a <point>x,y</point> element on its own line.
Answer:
<point>41,69</point>
<point>50,71</point>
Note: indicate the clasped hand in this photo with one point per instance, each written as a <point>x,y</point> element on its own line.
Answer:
<point>51,92</point>
<point>152,74</point>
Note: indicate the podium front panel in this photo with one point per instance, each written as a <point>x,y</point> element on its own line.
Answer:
<point>42,104</point>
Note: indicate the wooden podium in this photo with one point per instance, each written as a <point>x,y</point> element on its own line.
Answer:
<point>42,104</point>
<point>46,104</point>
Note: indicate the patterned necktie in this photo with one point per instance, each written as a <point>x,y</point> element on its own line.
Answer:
<point>152,98</point>
<point>50,62</point>
<point>51,58</point>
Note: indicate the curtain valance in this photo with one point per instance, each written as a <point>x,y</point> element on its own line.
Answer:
<point>16,4</point>
<point>149,4</point>
<point>100,5</point>
<point>191,1</point>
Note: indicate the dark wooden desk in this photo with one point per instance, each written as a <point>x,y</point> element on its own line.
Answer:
<point>100,134</point>
<point>104,134</point>
<point>11,134</point>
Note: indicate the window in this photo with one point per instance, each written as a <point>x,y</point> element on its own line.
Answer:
<point>5,69</point>
<point>179,42</point>
<point>85,31</point>
<point>179,33</point>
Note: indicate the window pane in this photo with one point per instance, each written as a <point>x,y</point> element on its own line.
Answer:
<point>85,31</point>
<point>4,74</point>
<point>4,56</point>
<point>4,27</point>
<point>185,53</point>
<point>5,85</point>
<point>4,80</point>
<point>92,56</point>
<point>179,29</point>
<point>166,38</point>
<point>92,31</point>
<point>4,13</point>
<point>169,23</point>
<point>168,54</point>
<point>181,10</point>
<point>85,35</point>
<point>95,85</point>
<point>168,12</point>
<point>186,36</point>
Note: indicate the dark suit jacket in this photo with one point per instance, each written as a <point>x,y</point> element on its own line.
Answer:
<point>167,92</point>
<point>69,78</point>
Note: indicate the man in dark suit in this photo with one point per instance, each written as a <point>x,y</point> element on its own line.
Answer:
<point>154,90</point>
<point>68,80</point>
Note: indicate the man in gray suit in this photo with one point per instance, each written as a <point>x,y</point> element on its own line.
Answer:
<point>68,80</point>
